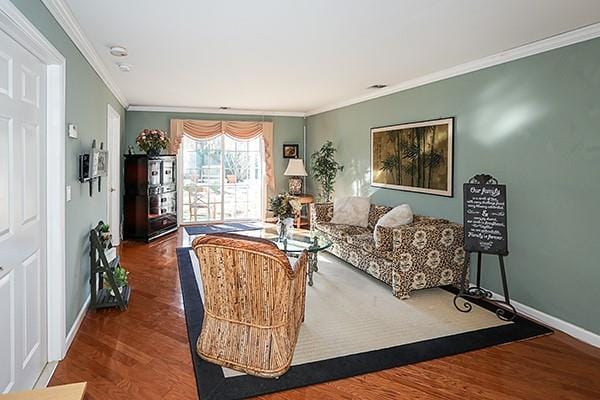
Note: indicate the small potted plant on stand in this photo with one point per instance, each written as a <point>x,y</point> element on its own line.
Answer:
<point>285,207</point>
<point>152,141</point>
<point>105,234</point>
<point>120,275</point>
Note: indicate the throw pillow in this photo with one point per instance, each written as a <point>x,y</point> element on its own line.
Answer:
<point>400,215</point>
<point>384,229</point>
<point>351,210</point>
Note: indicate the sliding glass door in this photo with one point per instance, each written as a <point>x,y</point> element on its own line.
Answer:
<point>222,179</point>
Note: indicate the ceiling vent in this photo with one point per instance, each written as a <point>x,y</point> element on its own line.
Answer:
<point>377,86</point>
<point>124,67</point>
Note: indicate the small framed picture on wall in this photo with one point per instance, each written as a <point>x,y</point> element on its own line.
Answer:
<point>290,151</point>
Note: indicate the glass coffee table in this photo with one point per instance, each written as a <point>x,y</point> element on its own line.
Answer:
<point>295,244</point>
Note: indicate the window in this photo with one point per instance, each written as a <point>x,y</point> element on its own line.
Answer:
<point>222,179</point>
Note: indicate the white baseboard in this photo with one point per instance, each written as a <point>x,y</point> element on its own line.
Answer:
<point>77,324</point>
<point>570,329</point>
<point>46,375</point>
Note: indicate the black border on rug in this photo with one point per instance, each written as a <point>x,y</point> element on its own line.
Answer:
<point>212,384</point>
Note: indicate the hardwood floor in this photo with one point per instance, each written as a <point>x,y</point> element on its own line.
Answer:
<point>143,353</point>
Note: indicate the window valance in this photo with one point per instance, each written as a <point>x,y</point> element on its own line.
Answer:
<point>240,130</point>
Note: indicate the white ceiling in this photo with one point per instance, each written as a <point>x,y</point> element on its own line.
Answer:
<point>301,55</point>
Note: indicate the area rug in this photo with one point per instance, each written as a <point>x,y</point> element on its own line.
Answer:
<point>353,325</point>
<point>194,230</point>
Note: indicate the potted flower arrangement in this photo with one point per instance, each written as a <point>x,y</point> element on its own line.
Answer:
<point>120,274</point>
<point>152,141</point>
<point>284,206</point>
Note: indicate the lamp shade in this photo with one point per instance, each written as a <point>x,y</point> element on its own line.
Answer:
<point>295,168</point>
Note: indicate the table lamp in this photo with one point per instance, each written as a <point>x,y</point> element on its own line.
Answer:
<point>295,170</point>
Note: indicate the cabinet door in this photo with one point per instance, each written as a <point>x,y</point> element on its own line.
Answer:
<point>168,171</point>
<point>154,172</point>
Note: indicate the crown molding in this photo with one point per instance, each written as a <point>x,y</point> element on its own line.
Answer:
<point>16,25</point>
<point>61,12</point>
<point>209,110</point>
<point>553,42</point>
<point>65,18</point>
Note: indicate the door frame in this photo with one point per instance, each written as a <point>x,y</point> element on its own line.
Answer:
<point>113,145</point>
<point>20,29</point>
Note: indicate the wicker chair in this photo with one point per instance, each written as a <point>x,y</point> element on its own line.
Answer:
<point>253,304</point>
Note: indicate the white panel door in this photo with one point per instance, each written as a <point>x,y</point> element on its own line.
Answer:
<point>114,173</point>
<point>23,328</point>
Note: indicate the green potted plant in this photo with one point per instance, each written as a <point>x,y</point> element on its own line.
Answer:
<point>105,234</point>
<point>152,141</point>
<point>120,274</point>
<point>324,169</point>
<point>285,207</point>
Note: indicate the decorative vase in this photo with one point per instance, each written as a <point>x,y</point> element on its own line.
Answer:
<point>284,228</point>
<point>153,152</point>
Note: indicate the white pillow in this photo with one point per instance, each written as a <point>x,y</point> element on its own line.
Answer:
<point>351,210</point>
<point>399,215</point>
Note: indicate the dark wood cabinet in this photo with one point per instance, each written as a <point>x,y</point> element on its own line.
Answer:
<point>150,200</point>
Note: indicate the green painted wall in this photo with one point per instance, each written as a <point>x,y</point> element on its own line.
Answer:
<point>286,130</point>
<point>86,99</point>
<point>533,123</point>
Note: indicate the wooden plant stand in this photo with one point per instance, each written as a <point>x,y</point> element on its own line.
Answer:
<point>101,296</point>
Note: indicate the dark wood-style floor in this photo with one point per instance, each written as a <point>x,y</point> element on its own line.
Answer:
<point>143,353</point>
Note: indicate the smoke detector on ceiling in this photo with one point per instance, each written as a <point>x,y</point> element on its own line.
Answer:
<point>377,86</point>
<point>118,51</point>
<point>124,67</point>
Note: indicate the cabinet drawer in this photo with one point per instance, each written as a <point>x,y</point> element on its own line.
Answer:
<point>160,224</point>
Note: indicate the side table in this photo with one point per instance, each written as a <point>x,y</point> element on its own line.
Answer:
<point>301,221</point>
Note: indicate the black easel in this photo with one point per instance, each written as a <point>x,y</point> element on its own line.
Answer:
<point>481,191</point>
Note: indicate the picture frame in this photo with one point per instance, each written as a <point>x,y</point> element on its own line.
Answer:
<point>98,163</point>
<point>291,151</point>
<point>414,157</point>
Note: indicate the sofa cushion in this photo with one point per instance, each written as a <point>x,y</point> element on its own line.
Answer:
<point>376,212</point>
<point>341,232</point>
<point>351,210</point>
<point>425,220</point>
<point>383,238</point>
<point>366,243</point>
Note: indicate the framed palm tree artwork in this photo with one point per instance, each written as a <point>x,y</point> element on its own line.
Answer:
<point>415,157</point>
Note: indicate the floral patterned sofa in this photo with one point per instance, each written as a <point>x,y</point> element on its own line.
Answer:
<point>426,253</point>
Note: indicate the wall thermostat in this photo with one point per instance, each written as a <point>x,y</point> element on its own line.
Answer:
<point>73,131</point>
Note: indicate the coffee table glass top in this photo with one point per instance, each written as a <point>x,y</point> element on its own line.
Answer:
<point>296,242</point>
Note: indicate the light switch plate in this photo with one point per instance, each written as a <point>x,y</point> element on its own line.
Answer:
<point>68,194</point>
<point>73,131</point>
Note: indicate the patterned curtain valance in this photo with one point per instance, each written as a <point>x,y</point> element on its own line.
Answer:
<point>241,130</point>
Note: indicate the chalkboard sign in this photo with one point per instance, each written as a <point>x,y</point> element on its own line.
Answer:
<point>485,218</point>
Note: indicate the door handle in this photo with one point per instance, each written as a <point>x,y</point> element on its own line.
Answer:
<point>113,189</point>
